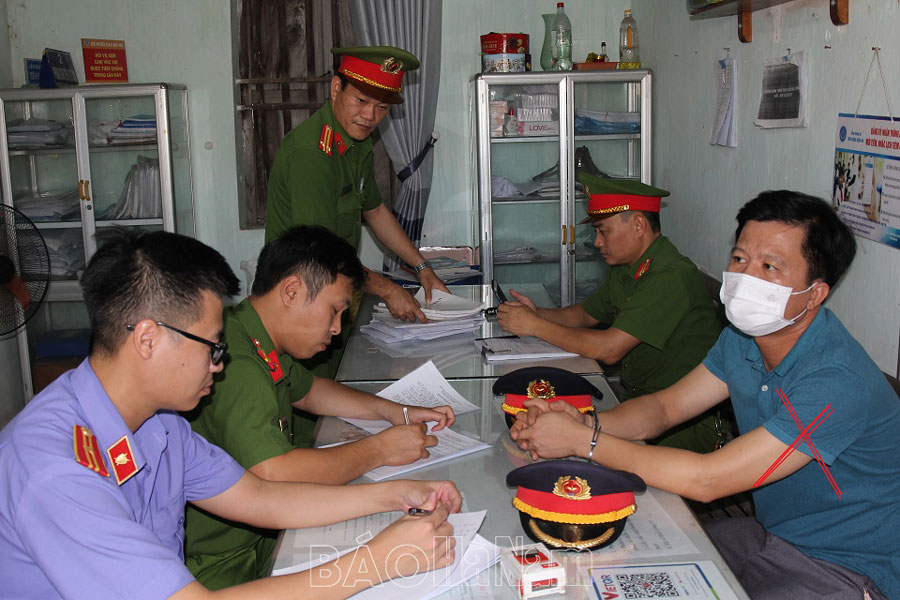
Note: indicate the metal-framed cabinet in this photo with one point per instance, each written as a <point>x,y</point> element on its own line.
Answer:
<point>535,131</point>
<point>78,159</point>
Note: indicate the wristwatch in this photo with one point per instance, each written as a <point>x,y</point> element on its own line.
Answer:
<point>422,266</point>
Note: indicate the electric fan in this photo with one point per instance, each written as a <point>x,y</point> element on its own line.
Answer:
<point>24,269</point>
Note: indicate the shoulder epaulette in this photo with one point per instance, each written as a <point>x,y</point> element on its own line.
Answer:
<point>87,453</point>
<point>271,359</point>
<point>642,270</point>
<point>325,139</point>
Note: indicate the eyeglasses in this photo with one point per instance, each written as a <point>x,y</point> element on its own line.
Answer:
<point>216,349</point>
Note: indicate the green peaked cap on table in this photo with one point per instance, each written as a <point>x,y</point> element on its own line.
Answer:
<point>608,196</point>
<point>377,71</point>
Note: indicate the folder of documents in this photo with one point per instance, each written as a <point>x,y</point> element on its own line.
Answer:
<point>516,348</point>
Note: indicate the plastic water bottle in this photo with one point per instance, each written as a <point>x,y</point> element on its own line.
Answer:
<point>629,53</point>
<point>562,39</point>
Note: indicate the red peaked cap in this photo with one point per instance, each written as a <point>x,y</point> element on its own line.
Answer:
<point>549,383</point>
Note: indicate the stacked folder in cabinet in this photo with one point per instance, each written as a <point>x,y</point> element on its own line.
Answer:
<point>447,315</point>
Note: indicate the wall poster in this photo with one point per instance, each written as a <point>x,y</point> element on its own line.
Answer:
<point>866,188</point>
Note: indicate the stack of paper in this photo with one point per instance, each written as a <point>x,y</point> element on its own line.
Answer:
<point>424,387</point>
<point>303,549</point>
<point>49,206</point>
<point>132,129</point>
<point>516,348</point>
<point>724,129</point>
<point>447,315</point>
<point>38,133</point>
<point>447,269</point>
<point>141,197</point>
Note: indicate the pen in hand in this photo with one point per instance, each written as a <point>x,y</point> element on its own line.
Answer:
<point>406,418</point>
<point>418,512</point>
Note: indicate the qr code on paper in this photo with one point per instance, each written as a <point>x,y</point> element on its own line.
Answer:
<point>647,585</point>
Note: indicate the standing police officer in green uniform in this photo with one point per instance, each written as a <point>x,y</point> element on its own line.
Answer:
<point>304,282</point>
<point>322,175</point>
<point>661,320</point>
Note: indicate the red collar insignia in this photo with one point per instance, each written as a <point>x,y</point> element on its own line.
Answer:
<point>121,458</point>
<point>271,360</point>
<point>339,142</point>
<point>645,266</point>
<point>87,453</point>
<point>326,139</point>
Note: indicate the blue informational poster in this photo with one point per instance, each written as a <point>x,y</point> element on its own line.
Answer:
<point>866,188</point>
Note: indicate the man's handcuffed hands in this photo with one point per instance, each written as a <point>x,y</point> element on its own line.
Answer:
<point>549,430</point>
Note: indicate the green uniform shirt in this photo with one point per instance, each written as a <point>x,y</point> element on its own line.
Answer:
<point>667,307</point>
<point>248,414</point>
<point>321,176</point>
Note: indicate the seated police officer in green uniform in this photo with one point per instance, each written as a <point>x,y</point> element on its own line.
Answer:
<point>660,318</point>
<point>304,282</point>
<point>323,175</point>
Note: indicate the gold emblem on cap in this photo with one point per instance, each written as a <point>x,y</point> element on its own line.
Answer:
<point>391,65</point>
<point>572,489</point>
<point>540,389</point>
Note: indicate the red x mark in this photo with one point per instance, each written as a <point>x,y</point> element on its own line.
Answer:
<point>803,437</point>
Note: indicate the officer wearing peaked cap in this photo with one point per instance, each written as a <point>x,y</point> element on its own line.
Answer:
<point>323,175</point>
<point>660,320</point>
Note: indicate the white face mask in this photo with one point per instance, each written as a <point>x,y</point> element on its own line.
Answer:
<point>756,306</point>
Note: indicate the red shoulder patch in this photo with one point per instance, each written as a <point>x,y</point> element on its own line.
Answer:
<point>325,139</point>
<point>121,458</point>
<point>271,360</point>
<point>642,270</point>
<point>87,453</point>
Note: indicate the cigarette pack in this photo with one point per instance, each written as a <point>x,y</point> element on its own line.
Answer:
<point>533,571</point>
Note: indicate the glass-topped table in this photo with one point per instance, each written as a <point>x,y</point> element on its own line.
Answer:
<point>456,357</point>
<point>662,531</point>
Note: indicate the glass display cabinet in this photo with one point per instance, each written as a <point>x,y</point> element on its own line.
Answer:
<point>535,133</point>
<point>79,159</point>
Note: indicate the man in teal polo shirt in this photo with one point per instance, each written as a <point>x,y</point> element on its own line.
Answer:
<point>660,318</point>
<point>322,175</point>
<point>304,282</point>
<point>819,443</point>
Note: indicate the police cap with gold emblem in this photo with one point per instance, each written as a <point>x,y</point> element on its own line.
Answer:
<point>574,505</point>
<point>547,383</point>
<point>376,71</point>
<point>607,196</point>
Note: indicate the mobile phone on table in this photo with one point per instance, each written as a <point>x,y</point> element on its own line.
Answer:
<point>499,291</point>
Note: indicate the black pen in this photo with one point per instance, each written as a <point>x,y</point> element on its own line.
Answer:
<point>418,512</point>
<point>498,337</point>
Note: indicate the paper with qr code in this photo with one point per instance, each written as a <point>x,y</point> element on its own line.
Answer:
<point>696,580</point>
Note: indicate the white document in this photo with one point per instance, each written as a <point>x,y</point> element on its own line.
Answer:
<point>693,581</point>
<point>443,306</point>
<point>450,445</point>
<point>447,306</point>
<point>524,348</point>
<point>303,549</point>
<point>783,98</point>
<point>724,130</point>
<point>653,534</point>
<point>424,387</point>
